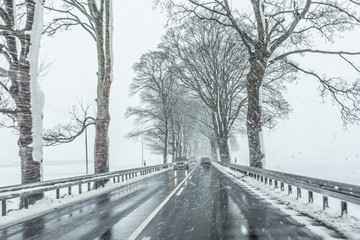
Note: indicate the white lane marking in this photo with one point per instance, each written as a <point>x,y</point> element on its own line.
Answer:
<point>146,238</point>
<point>142,226</point>
<point>190,177</point>
<point>180,191</point>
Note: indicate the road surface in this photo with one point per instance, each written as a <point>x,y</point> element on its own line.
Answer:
<point>201,203</point>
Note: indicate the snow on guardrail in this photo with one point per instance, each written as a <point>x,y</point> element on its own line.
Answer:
<point>92,181</point>
<point>342,191</point>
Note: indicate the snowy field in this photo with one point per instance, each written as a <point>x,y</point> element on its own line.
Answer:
<point>11,174</point>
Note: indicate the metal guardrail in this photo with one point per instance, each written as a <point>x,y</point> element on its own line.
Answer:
<point>25,190</point>
<point>342,191</point>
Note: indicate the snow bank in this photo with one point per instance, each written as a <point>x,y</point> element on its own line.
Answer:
<point>347,225</point>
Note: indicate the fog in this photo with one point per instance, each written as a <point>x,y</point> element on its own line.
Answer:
<point>313,141</point>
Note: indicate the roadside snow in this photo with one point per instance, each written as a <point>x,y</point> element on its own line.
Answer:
<point>347,225</point>
<point>49,203</point>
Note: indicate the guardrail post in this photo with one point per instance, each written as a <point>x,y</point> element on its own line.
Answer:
<point>343,208</point>
<point>89,187</point>
<point>118,177</point>
<point>266,180</point>
<point>69,190</point>
<point>325,202</point>
<point>282,188</point>
<point>114,179</point>
<point>310,197</point>
<point>298,193</point>
<point>126,177</point>
<point>80,190</point>
<point>3,203</point>
<point>102,183</point>
<point>262,178</point>
<point>276,184</point>
<point>289,189</point>
<point>122,178</point>
<point>270,182</point>
<point>57,193</point>
<point>26,202</point>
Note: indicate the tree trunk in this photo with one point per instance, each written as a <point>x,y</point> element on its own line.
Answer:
<point>29,101</point>
<point>254,124</point>
<point>30,169</point>
<point>173,144</point>
<point>213,149</point>
<point>101,148</point>
<point>166,142</point>
<point>223,145</point>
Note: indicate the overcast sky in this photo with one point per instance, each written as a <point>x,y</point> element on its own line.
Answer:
<point>313,138</point>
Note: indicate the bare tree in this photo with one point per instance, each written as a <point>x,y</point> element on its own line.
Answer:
<point>205,126</point>
<point>155,82</point>
<point>95,18</point>
<point>273,31</point>
<point>212,64</point>
<point>21,98</point>
<point>185,134</point>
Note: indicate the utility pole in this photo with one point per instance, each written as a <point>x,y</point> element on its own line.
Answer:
<point>142,153</point>
<point>86,152</point>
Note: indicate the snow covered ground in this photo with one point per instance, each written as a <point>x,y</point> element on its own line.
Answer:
<point>347,225</point>
<point>11,174</point>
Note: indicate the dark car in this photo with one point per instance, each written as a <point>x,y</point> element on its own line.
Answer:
<point>181,162</point>
<point>205,161</point>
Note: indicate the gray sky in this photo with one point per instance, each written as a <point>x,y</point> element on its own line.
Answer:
<point>311,140</point>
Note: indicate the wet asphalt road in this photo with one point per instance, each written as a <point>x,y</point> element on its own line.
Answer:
<point>208,205</point>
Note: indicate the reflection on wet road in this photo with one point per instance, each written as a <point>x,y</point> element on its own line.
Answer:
<point>113,215</point>
<point>207,205</point>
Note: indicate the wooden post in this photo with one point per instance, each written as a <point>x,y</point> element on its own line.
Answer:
<point>325,202</point>
<point>3,203</point>
<point>343,208</point>
<point>26,201</point>
<point>298,193</point>
<point>310,197</point>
